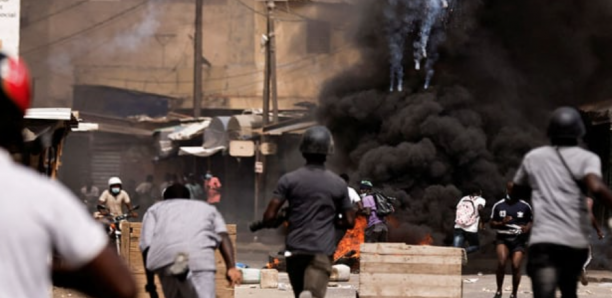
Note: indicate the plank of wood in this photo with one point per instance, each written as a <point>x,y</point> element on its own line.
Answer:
<point>409,285</point>
<point>410,259</point>
<point>402,268</point>
<point>402,249</point>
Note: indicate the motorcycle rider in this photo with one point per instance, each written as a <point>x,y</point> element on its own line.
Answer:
<point>316,197</point>
<point>43,209</point>
<point>115,196</point>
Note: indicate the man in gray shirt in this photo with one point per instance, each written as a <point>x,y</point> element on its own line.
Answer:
<point>557,178</point>
<point>178,241</point>
<point>316,197</point>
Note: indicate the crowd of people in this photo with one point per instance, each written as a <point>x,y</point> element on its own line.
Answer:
<point>181,232</point>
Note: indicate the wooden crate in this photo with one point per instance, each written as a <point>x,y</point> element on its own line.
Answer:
<point>132,254</point>
<point>400,270</point>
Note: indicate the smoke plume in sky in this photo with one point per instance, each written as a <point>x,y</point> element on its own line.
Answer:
<point>501,67</point>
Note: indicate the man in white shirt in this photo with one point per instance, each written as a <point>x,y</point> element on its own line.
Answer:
<point>41,217</point>
<point>469,212</point>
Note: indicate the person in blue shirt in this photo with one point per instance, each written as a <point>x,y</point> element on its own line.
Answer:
<point>512,218</point>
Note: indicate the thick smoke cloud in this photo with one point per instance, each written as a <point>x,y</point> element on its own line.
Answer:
<point>501,67</point>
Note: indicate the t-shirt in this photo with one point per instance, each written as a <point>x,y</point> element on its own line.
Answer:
<point>370,202</point>
<point>37,216</point>
<point>315,197</point>
<point>173,226</point>
<point>560,209</point>
<point>114,202</point>
<point>478,201</point>
<point>353,196</point>
<point>521,214</point>
<point>213,185</point>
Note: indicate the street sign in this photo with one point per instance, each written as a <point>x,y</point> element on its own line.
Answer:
<point>259,168</point>
<point>9,26</point>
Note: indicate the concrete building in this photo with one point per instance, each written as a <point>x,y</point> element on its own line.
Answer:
<point>147,46</point>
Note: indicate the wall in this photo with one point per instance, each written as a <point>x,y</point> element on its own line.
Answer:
<point>147,46</point>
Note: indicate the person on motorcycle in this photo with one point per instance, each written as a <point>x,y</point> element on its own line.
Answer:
<point>114,197</point>
<point>43,209</point>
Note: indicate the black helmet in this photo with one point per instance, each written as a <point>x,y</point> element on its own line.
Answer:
<point>317,140</point>
<point>566,123</point>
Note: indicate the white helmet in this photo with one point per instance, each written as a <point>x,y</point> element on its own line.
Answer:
<point>114,180</point>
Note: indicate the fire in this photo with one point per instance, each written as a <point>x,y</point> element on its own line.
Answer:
<point>352,239</point>
<point>273,265</point>
<point>427,240</point>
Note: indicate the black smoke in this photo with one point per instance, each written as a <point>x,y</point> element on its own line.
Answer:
<point>501,68</point>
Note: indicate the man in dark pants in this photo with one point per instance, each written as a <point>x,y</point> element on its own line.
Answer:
<point>512,218</point>
<point>557,178</point>
<point>316,197</point>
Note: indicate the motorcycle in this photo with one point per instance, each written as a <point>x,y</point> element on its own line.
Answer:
<point>113,224</point>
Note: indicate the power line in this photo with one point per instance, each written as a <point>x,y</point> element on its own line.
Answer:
<point>93,27</point>
<point>264,14</point>
<point>61,10</point>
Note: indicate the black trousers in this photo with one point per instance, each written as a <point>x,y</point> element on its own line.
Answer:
<point>553,266</point>
<point>309,273</point>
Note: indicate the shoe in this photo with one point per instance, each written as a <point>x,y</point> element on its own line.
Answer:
<point>512,296</point>
<point>464,257</point>
<point>305,294</point>
<point>583,279</point>
<point>498,295</point>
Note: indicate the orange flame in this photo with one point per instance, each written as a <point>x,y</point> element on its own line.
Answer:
<point>273,265</point>
<point>427,240</point>
<point>352,239</point>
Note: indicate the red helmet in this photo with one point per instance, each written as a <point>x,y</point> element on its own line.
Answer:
<point>15,82</point>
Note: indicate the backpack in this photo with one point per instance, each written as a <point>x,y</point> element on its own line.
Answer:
<point>384,204</point>
<point>466,213</point>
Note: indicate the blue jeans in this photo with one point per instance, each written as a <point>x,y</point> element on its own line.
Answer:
<point>460,236</point>
<point>552,266</point>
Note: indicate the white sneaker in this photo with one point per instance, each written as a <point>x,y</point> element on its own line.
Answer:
<point>305,294</point>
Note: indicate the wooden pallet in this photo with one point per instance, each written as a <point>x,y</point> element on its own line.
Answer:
<point>132,254</point>
<point>400,270</point>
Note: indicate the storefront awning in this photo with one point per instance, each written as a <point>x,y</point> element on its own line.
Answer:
<point>199,151</point>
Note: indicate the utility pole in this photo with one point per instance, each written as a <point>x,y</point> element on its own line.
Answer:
<point>197,60</point>
<point>272,36</point>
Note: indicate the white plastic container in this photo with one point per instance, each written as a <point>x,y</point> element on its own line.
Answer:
<point>340,273</point>
<point>250,275</point>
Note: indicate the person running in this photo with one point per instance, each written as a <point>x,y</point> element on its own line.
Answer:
<point>316,196</point>
<point>469,212</point>
<point>512,218</point>
<point>557,177</point>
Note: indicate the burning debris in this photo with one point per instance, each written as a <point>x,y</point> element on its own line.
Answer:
<point>403,18</point>
<point>500,71</point>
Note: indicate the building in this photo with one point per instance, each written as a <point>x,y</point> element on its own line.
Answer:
<point>147,46</point>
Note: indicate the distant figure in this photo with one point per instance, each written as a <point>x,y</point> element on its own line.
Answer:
<point>213,188</point>
<point>195,189</point>
<point>144,190</point>
<point>115,197</point>
<point>169,179</point>
<point>512,218</point>
<point>377,230</point>
<point>89,193</point>
<point>469,211</point>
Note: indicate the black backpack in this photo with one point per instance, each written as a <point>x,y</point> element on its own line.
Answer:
<point>384,204</point>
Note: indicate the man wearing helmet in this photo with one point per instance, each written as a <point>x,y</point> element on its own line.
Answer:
<point>316,197</point>
<point>44,209</point>
<point>377,230</point>
<point>557,177</point>
<point>115,196</point>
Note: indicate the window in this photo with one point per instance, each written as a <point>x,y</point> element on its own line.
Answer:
<point>318,37</point>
